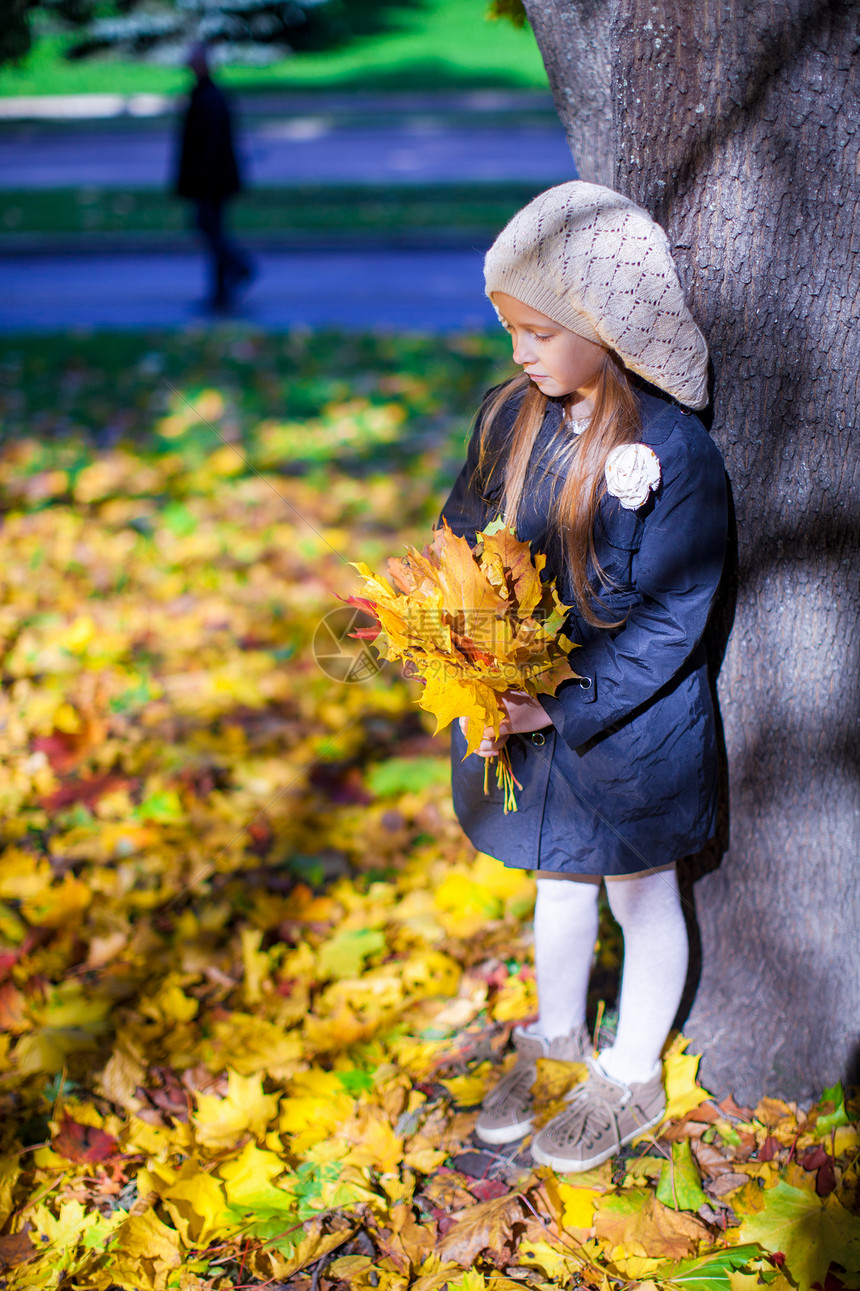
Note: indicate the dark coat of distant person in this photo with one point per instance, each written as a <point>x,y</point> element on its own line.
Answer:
<point>207,158</point>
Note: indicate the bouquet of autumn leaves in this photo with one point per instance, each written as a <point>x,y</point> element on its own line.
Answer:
<point>471,623</point>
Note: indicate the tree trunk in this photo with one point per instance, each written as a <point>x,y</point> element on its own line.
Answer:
<point>574,40</point>
<point>736,124</point>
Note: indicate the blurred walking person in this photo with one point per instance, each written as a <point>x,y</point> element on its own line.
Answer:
<point>208,175</point>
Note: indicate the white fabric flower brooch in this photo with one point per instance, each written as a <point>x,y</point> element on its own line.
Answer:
<point>632,471</point>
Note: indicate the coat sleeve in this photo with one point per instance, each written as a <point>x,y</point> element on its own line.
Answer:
<point>676,573</point>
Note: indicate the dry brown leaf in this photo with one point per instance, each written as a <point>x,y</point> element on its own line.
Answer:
<point>770,1111</point>
<point>731,1108</point>
<point>410,1243</point>
<point>724,1184</point>
<point>711,1162</point>
<point>14,1249</point>
<point>485,1226</point>
<point>637,1216</point>
<point>448,1190</point>
<point>313,1246</point>
<point>439,1278</point>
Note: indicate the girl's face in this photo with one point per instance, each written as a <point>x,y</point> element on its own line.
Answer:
<point>557,360</point>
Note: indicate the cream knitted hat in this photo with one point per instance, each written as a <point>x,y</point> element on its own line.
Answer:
<point>598,264</point>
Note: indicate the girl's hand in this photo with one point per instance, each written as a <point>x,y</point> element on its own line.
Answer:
<point>523,714</point>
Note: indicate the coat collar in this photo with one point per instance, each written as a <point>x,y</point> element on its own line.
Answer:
<point>659,416</point>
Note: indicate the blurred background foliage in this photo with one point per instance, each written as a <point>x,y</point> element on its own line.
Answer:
<point>379,43</point>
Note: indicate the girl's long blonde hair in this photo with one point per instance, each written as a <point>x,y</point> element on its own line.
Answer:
<point>578,461</point>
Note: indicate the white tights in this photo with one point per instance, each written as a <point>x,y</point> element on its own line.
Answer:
<point>648,908</point>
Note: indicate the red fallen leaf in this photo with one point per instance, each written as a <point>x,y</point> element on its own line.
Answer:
<point>261,835</point>
<point>8,960</point>
<point>825,1179</point>
<point>83,1143</point>
<point>15,1248</point>
<point>704,1112</point>
<point>730,1107</point>
<point>487,1189</point>
<point>198,780</point>
<point>65,749</point>
<point>814,1158</point>
<point>494,974</point>
<point>362,603</point>
<point>12,1014</point>
<point>167,1093</point>
<point>769,1148</point>
<point>444,1223</point>
<point>86,791</point>
<point>743,1151</point>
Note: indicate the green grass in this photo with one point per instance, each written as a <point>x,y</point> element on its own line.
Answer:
<point>484,208</point>
<point>429,45</point>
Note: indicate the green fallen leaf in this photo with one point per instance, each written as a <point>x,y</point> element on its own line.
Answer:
<point>832,1120</point>
<point>344,954</point>
<point>709,1273</point>
<point>811,1234</point>
<point>680,1186</point>
<point>406,775</point>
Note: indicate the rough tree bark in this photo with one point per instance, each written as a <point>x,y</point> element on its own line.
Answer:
<point>737,124</point>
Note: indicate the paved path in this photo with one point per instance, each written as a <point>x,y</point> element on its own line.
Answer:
<point>413,290</point>
<point>284,102</point>
<point>295,150</point>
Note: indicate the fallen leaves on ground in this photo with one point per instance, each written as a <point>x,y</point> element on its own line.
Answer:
<point>253,981</point>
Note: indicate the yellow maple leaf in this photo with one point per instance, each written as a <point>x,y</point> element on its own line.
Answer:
<point>556,1263</point>
<point>510,565</point>
<point>374,1141</point>
<point>255,963</point>
<point>516,1000</point>
<point>194,1199</point>
<point>248,1178</point>
<point>64,1230</point>
<point>465,905</point>
<point>10,1172</point>
<point>61,903</point>
<point>221,1122</point>
<point>249,1044</point>
<point>472,623</point>
<point>145,1250</point>
<point>578,1203</point>
<point>424,1159</point>
<point>468,1091</point>
<point>309,1120</point>
<point>683,1093</point>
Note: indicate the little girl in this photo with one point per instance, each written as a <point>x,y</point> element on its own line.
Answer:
<point>592,454</point>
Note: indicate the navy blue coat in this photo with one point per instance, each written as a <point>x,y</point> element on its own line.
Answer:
<point>625,778</point>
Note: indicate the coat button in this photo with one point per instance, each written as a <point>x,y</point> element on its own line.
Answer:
<point>538,738</point>
<point>585,683</point>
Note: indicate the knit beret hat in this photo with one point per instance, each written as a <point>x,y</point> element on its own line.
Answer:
<point>596,263</point>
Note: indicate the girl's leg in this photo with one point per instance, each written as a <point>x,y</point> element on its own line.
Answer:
<point>656,950</point>
<point>565,933</point>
